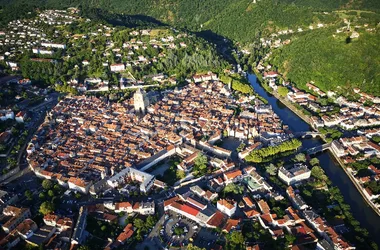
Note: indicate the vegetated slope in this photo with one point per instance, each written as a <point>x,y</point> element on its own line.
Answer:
<point>330,61</point>
<point>314,56</point>
<point>239,20</point>
<point>244,21</point>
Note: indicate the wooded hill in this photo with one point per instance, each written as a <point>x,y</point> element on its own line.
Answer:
<point>239,20</point>
<point>315,55</point>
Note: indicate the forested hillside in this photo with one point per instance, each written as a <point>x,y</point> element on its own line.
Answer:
<point>314,55</point>
<point>330,60</point>
<point>239,20</point>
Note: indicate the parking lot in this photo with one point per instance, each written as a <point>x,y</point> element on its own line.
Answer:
<point>167,234</point>
<point>206,238</point>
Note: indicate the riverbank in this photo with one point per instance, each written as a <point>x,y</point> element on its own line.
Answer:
<point>356,184</point>
<point>338,160</point>
<point>285,102</point>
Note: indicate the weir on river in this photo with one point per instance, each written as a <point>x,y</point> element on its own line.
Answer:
<point>359,208</point>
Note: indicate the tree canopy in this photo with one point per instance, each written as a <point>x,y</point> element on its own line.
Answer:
<point>261,154</point>
<point>47,207</point>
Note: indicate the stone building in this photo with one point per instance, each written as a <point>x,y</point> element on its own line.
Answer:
<point>141,101</point>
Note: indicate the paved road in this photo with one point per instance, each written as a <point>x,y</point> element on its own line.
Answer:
<point>8,78</point>
<point>37,119</point>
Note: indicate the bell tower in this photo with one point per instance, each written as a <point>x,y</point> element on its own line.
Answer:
<point>140,100</point>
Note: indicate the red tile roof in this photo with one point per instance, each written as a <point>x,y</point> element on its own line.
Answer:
<point>190,210</point>
<point>216,219</point>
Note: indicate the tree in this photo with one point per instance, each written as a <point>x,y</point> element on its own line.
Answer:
<point>42,196</point>
<point>47,207</point>
<point>263,153</point>
<point>271,169</point>
<point>178,231</point>
<point>236,239</point>
<point>192,247</point>
<point>47,184</point>
<point>200,164</point>
<point>180,174</point>
<point>57,188</point>
<point>29,195</point>
<point>318,173</point>
<point>201,160</point>
<point>314,162</point>
<point>151,221</point>
<point>51,193</point>
<point>376,138</point>
<point>282,91</point>
<point>233,188</point>
<point>290,238</point>
<point>300,157</point>
<point>84,247</point>
<point>139,224</point>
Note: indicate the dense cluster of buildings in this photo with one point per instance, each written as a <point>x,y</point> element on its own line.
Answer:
<point>138,49</point>
<point>360,149</point>
<point>86,140</point>
<point>56,231</point>
<point>299,219</point>
<point>30,35</point>
<point>318,224</point>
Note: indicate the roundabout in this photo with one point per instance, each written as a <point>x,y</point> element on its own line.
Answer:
<point>177,231</point>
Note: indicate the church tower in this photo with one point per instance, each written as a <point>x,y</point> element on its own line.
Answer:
<point>141,101</point>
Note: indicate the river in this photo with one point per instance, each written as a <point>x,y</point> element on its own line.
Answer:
<point>359,208</point>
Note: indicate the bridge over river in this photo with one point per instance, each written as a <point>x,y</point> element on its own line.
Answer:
<point>305,134</point>
<point>317,149</point>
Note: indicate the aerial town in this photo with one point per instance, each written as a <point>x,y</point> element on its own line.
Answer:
<point>127,148</point>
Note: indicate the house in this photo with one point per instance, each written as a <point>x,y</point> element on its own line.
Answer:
<point>126,234</point>
<point>264,207</point>
<point>197,190</point>
<point>79,184</point>
<point>248,202</point>
<point>13,216</point>
<point>338,149</point>
<point>5,137</point>
<point>78,235</point>
<point>41,236</point>
<point>20,117</point>
<point>294,174</point>
<point>26,228</point>
<point>296,199</point>
<point>10,240</point>
<point>117,67</point>
<point>146,180</point>
<point>227,207</point>
<point>6,114</point>
<point>230,225</point>
<point>232,176</point>
<point>54,45</point>
<point>270,74</point>
<point>143,208</point>
<point>7,198</point>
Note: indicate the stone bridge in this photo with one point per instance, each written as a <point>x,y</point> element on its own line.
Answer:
<point>307,134</point>
<point>317,149</point>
